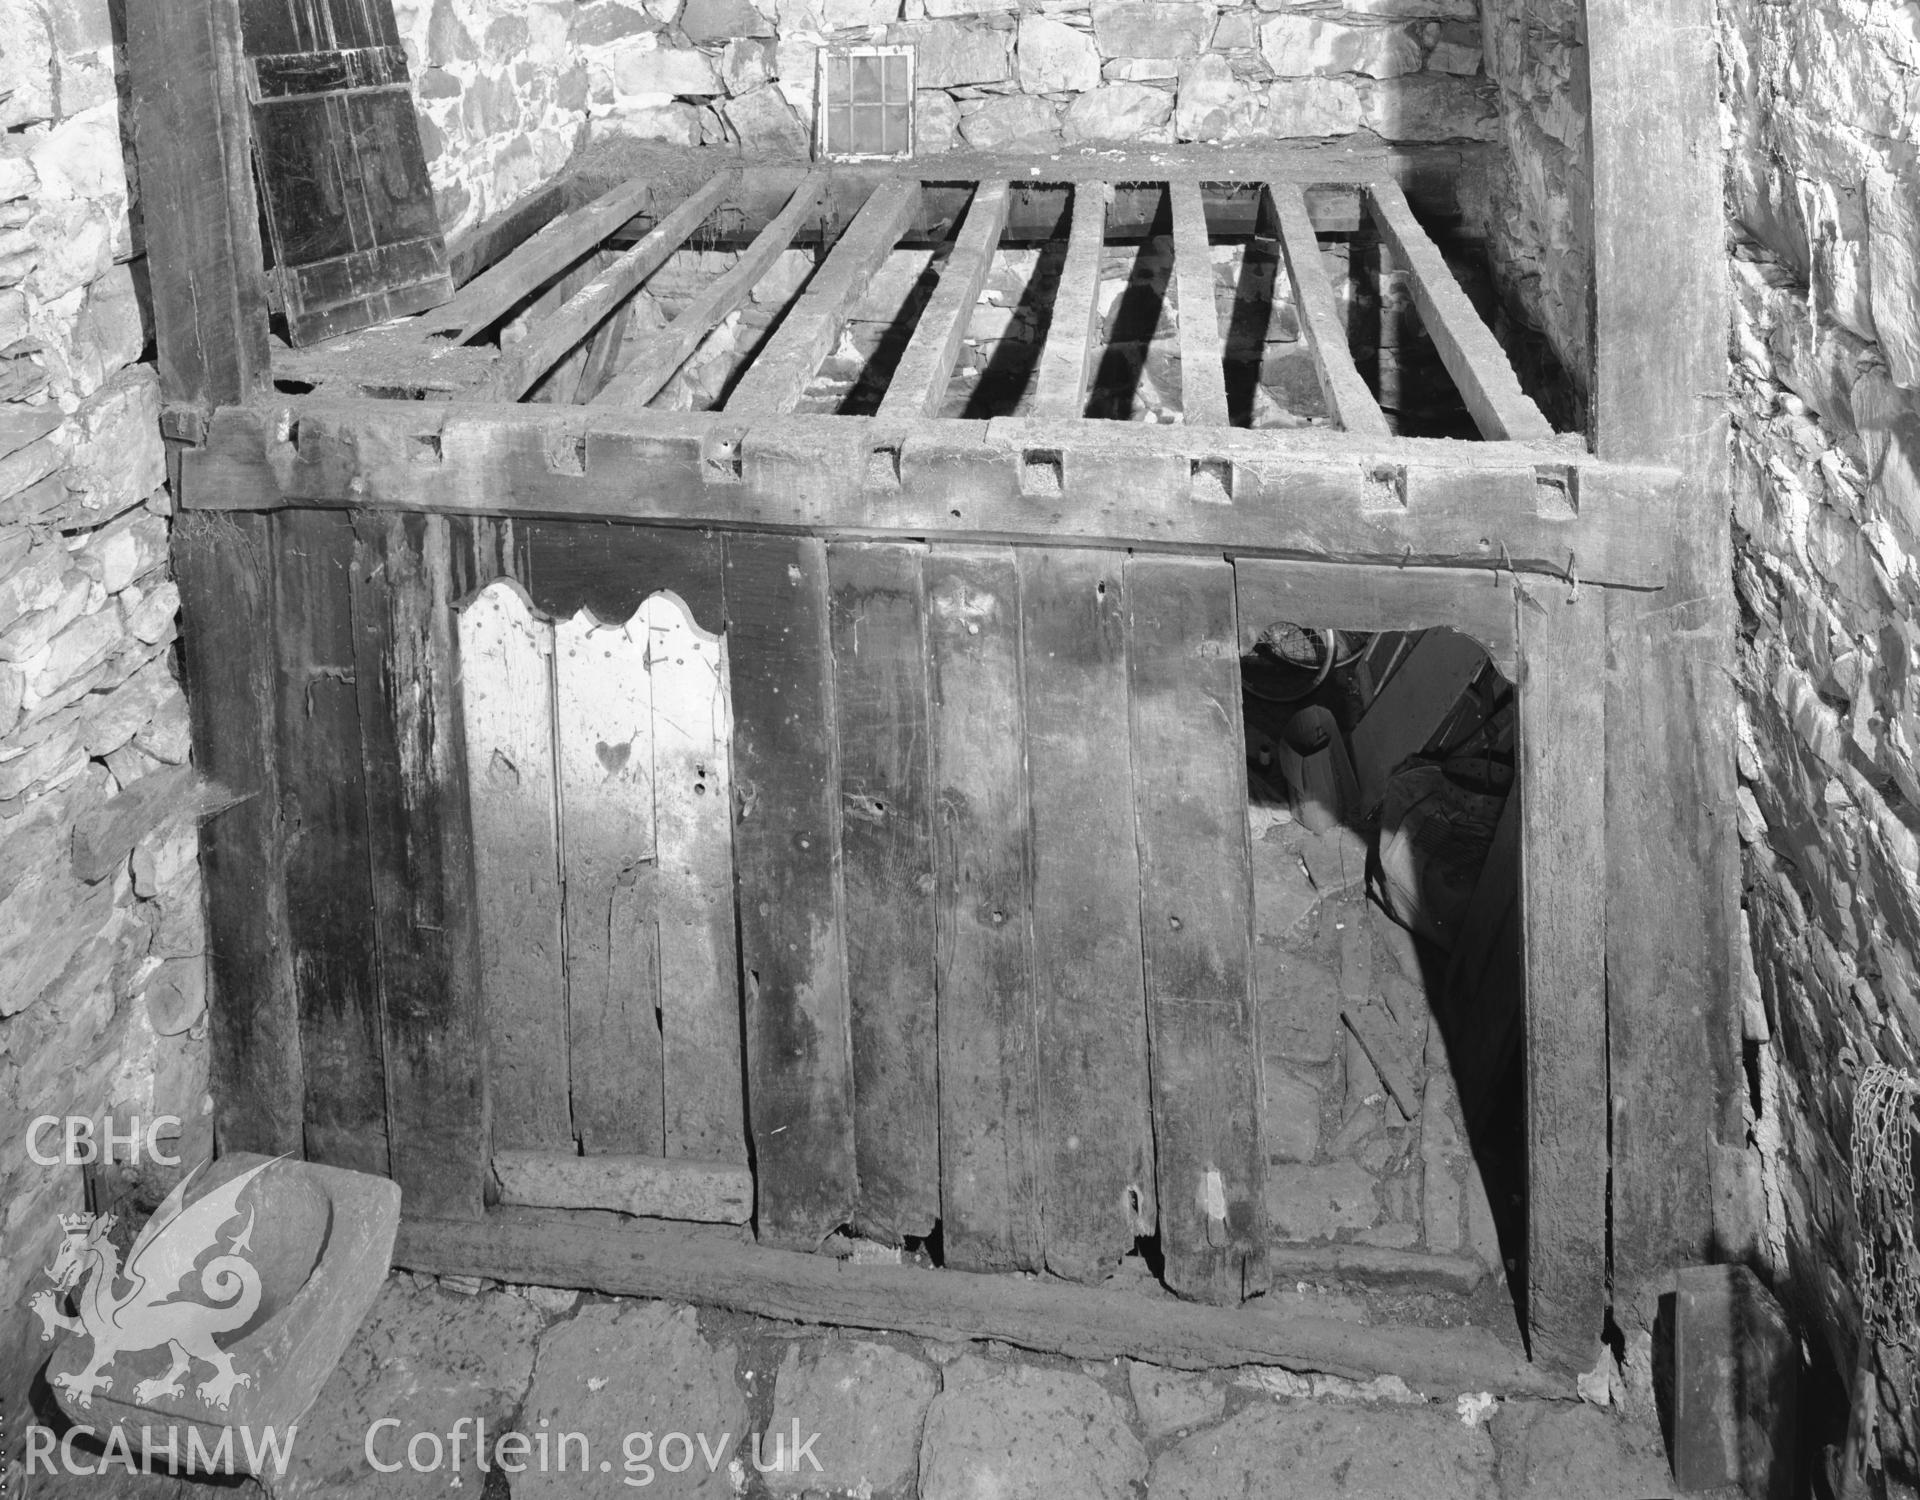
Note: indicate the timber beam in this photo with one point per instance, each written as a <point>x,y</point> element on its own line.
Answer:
<point>718,1267</point>
<point>1323,495</point>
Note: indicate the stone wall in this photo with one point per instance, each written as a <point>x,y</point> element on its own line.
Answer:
<point>502,97</point>
<point>999,76</point>
<point>1541,195</point>
<point>101,934</point>
<point>1824,194</point>
<point>507,87</point>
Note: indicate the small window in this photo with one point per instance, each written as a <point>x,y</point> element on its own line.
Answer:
<point>866,103</point>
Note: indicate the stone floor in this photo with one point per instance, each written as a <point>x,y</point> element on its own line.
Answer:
<point>733,1405</point>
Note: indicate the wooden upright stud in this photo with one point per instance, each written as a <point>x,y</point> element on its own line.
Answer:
<point>1659,376</point>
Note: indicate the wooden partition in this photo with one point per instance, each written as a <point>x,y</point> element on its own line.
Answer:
<point>328,538</point>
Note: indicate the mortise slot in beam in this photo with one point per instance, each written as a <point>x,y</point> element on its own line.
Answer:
<point>662,352</point>
<point>492,294</point>
<point>554,337</point>
<point>775,380</point>
<point>1203,381</point>
<point>1349,402</point>
<point>920,380</point>
<point>1467,347</point>
<point>1066,361</point>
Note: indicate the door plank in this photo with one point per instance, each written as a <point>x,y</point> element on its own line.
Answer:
<point>226,599</point>
<point>919,383</point>
<point>665,350</point>
<point>1562,787</point>
<point>1095,1131</point>
<point>420,851</point>
<point>1349,402</point>
<point>323,815</point>
<point>506,695</point>
<point>886,832</point>
<point>1203,380</point>
<point>1066,360</point>
<point>778,376</point>
<point>603,730</point>
<point>989,1105</point>
<point>1467,347</point>
<point>786,854</point>
<point>692,883</point>
<point>1190,792</point>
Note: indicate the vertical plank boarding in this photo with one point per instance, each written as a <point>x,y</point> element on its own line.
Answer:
<point>506,696</point>
<point>1196,919</point>
<point>224,566</point>
<point>323,814</point>
<point>880,700</point>
<point>604,735</point>
<point>989,1106</point>
<point>785,852</point>
<point>1096,1134</point>
<point>421,860</point>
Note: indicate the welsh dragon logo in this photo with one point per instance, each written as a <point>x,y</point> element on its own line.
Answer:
<point>148,1314</point>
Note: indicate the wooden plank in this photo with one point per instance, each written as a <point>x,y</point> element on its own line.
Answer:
<point>1073,327</point>
<point>202,227</point>
<point>602,354</point>
<point>983,969</point>
<point>1467,347</point>
<point>919,383</point>
<point>692,883</point>
<point>1377,1034</point>
<point>665,350</point>
<point>1096,1134</point>
<point>555,335</point>
<point>1328,496</point>
<point>603,731</point>
<point>323,813</point>
<point>420,849</point>
<point>1203,381</point>
<point>1658,388</point>
<point>1196,917</point>
<point>688,1263</point>
<point>226,578</point>
<point>610,570</point>
<point>786,857</point>
<point>471,251</point>
<point>506,698</point>
<point>1349,402</point>
<point>558,244</point>
<point>778,375</point>
<point>683,1188</point>
<point>886,838</point>
<point>1563,907</point>
<point>1351,596</point>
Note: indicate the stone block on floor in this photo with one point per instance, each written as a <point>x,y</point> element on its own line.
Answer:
<point>868,1402</point>
<point>1171,1401</point>
<point>1021,1432</point>
<point>1320,1451</point>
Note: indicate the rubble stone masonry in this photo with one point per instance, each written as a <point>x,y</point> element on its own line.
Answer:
<point>1822,111</point>
<point>506,87</point>
<point>102,978</point>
